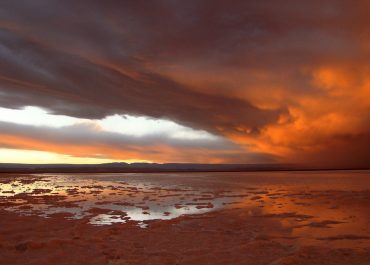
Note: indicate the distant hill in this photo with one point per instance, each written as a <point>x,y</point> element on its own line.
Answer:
<point>139,167</point>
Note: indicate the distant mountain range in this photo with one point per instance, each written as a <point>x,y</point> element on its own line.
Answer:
<point>146,167</point>
<point>138,167</point>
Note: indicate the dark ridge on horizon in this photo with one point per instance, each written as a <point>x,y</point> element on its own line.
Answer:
<point>154,168</point>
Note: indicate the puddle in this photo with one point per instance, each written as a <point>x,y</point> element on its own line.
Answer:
<point>107,219</point>
<point>46,195</point>
<point>313,207</point>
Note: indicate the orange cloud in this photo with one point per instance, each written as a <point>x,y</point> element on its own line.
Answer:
<point>284,82</point>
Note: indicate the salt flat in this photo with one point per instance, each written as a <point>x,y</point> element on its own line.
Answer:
<point>305,217</point>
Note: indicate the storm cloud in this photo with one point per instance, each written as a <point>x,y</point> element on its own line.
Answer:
<point>285,78</point>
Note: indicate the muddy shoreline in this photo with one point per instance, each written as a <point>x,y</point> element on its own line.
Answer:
<point>202,219</point>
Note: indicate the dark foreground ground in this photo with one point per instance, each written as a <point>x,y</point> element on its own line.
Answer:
<point>203,218</point>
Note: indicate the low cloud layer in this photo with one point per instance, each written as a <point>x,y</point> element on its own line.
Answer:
<point>286,79</point>
<point>88,140</point>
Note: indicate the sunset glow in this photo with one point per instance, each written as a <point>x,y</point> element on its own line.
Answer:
<point>233,84</point>
<point>185,132</point>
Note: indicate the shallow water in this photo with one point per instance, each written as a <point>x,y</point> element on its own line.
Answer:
<point>312,207</point>
<point>87,196</point>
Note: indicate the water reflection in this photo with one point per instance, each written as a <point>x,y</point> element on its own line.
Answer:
<point>314,207</point>
<point>85,197</point>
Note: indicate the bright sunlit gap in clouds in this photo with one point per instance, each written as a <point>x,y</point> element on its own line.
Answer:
<point>41,157</point>
<point>136,127</point>
<point>139,126</point>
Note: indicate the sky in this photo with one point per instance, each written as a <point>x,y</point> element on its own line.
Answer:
<point>185,81</point>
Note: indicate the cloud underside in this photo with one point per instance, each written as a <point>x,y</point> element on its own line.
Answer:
<point>283,81</point>
<point>87,140</point>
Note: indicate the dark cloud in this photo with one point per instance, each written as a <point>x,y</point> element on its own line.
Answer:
<point>90,61</point>
<point>344,151</point>
<point>267,75</point>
